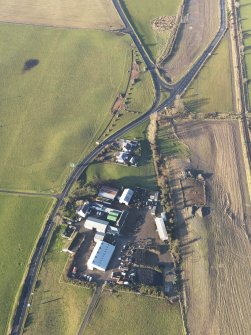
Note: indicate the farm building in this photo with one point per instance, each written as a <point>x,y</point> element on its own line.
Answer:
<point>94,223</point>
<point>107,192</point>
<point>161,229</point>
<point>126,196</point>
<point>99,237</point>
<point>100,256</point>
<point>73,247</point>
<point>84,210</point>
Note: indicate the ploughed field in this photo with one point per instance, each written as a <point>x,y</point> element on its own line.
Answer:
<point>94,14</point>
<point>216,249</point>
<point>199,26</point>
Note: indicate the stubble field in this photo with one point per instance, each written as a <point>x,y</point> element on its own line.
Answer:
<point>200,25</point>
<point>93,14</point>
<point>216,250</point>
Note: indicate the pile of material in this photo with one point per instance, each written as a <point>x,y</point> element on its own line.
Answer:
<point>164,23</point>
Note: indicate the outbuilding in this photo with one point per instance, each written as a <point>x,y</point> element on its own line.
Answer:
<point>161,228</point>
<point>126,196</point>
<point>100,256</point>
<point>108,192</point>
<point>94,223</point>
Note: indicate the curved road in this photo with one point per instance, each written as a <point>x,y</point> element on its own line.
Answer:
<point>179,88</point>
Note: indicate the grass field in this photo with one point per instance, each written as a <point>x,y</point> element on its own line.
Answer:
<point>119,175</point>
<point>211,91</point>
<point>95,14</point>
<point>51,114</point>
<point>57,307</point>
<point>128,314</point>
<point>21,219</point>
<point>142,12</point>
<point>245,12</point>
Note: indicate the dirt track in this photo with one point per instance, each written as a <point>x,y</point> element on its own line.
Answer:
<point>216,250</point>
<point>200,24</point>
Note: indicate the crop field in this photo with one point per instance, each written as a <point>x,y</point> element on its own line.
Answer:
<point>141,14</point>
<point>57,307</point>
<point>143,175</point>
<point>53,101</point>
<point>216,249</point>
<point>245,12</point>
<point>211,91</point>
<point>94,14</point>
<point>128,314</point>
<point>200,25</point>
<point>21,220</point>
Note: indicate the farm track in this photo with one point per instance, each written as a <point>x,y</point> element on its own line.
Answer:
<point>30,194</point>
<point>179,88</point>
<point>216,250</point>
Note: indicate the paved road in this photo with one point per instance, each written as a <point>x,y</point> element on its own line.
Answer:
<point>179,88</point>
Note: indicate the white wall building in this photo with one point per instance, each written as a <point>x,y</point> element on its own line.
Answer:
<point>94,223</point>
<point>161,228</point>
<point>100,256</point>
<point>126,196</point>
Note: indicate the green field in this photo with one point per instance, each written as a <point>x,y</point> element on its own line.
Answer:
<point>21,220</point>
<point>141,14</point>
<point>57,307</point>
<point>129,314</point>
<point>51,115</point>
<point>245,12</point>
<point>211,91</point>
<point>143,175</point>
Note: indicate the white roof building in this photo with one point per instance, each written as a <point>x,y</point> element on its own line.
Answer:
<point>94,223</point>
<point>122,157</point>
<point>99,237</point>
<point>100,256</point>
<point>126,196</point>
<point>161,229</point>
